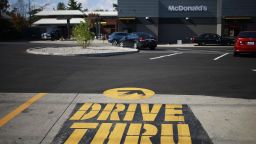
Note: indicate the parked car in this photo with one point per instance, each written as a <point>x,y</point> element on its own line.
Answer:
<point>51,35</point>
<point>211,38</point>
<point>115,37</point>
<point>245,43</point>
<point>139,40</point>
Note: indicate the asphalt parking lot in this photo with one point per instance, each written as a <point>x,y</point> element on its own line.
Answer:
<point>203,94</point>
<point>198,71</point>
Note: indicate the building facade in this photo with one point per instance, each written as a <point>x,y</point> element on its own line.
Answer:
<point>172,20</point>
<point>105,22</point>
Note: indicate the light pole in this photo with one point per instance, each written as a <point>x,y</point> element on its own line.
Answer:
<point>29,13</point>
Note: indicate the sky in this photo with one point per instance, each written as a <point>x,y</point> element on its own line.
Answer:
<point>90,4</point>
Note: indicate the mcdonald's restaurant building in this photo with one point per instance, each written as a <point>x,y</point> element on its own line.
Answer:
<point>172,20</point>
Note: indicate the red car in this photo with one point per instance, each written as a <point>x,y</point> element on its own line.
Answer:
<point>245,43</point>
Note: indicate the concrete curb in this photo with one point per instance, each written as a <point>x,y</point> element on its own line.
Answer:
<point>96,54</point>
<point>191,45</point>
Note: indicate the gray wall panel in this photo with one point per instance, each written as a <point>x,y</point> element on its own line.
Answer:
<point>170,33</point>
<point>210,12</point>
<point>138,8</point>
<point>239,8</point>
<point>151,29</point>
<point>171,25</point>
<point>159,8</point>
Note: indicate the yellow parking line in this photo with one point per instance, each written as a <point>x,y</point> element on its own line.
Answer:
<point>21,108</point>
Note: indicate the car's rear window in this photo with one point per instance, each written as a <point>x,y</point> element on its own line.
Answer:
<point>247,35</point>
<point>118,34</point>
<point>145,35</point>
<point>122,34</point>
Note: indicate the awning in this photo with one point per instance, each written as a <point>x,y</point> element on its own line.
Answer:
<point>103,13</point>
<point>54,21</point>
<point>75,13</point>
<point>60,13</point>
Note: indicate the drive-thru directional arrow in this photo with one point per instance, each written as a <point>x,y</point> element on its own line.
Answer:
<point>130,92</point>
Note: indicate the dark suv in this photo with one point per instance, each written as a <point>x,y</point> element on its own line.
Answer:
<point>139,40</point>
<point>211,38</point>
<point>115,37</point>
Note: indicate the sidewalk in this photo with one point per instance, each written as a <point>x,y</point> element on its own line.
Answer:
<point>178,45</point>
<point>190,45</point>
<point>225,120</point>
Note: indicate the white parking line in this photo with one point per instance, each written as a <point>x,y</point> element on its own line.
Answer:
<point>254,70</point>
<point>165,56</point>
<point>220,56</point>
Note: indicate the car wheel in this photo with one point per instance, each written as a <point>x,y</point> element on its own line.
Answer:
<point>135,45</point>
<point>121,44</point>
<point>114,43</point>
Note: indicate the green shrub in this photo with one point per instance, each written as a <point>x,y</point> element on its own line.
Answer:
<point>82,34</point>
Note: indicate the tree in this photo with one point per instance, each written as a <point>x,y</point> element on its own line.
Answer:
<point>61,6</point>
<point>21,8</point>
<point>74,5</point>
<point>4,5</point>
<point>34,18</point>
<point>92,20</point>
<point>115,6</point>
<point>82,34</point>
<point>18,21</point>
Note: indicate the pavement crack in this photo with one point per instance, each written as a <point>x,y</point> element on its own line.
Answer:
<point>70,103</point>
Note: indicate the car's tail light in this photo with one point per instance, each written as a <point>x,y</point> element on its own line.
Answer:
<point>141,39</point>
<point>192,39</point>
<point>242,42</point>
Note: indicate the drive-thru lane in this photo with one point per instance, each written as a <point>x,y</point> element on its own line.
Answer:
<point>56,118</point>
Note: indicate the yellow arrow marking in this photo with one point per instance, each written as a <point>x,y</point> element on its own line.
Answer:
<point>129,93</point>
